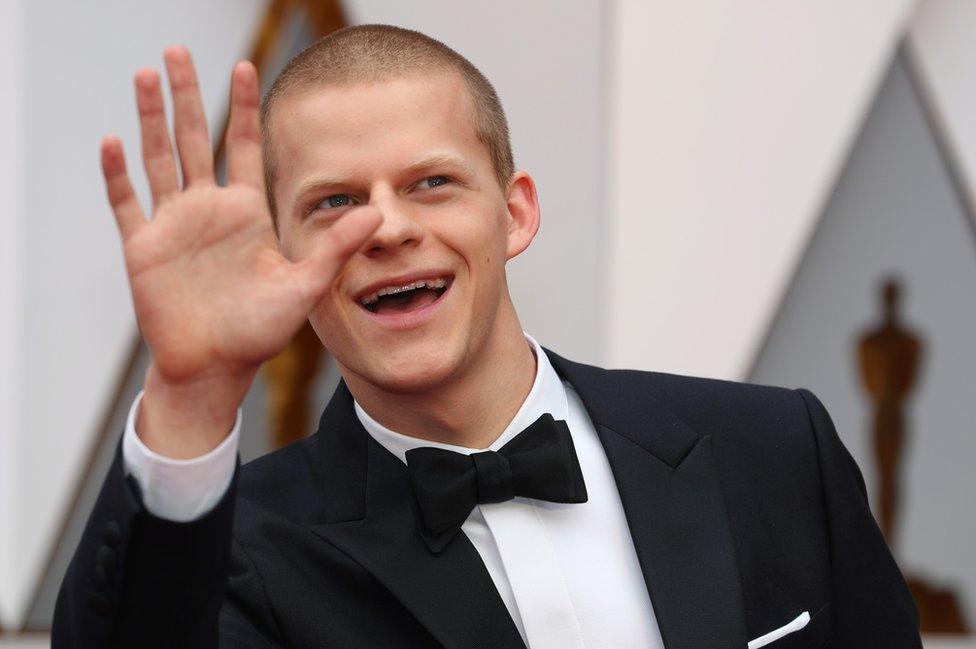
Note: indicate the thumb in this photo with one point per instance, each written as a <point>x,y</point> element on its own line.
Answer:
<point>338,243</point>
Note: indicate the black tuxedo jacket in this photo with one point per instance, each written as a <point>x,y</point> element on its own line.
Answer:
<point>744,506</point>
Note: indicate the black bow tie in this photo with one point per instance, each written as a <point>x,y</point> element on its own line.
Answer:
<point>540,462</point>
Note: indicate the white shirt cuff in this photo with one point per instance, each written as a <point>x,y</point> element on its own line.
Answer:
<point>179,490</point>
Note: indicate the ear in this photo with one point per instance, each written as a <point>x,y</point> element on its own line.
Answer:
<point>523,213</point>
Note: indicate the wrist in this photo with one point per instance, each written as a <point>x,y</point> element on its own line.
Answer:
<point>187,419</point>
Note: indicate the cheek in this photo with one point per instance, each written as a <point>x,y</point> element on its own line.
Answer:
<point>296,240</point>
<point>482,240</point>
<point>330,326</point>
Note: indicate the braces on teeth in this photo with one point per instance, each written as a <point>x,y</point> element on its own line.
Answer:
<point>432,284</point>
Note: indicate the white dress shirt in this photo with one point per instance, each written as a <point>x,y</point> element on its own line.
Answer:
<point>567,573</point>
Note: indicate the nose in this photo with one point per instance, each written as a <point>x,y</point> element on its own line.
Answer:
<point>398,230</point>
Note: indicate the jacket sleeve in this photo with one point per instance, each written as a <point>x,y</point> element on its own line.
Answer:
<point>140,581</point>
<point>871,604</point>
<point>246,619</point>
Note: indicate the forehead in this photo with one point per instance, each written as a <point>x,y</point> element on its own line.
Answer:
<point>370,127</point>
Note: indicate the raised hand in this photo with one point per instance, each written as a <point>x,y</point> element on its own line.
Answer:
<point>213,295</point>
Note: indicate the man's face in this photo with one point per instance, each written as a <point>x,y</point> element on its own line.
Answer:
<point>408,147</point>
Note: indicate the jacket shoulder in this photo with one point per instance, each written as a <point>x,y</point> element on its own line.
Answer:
<point>708,406</point>
<point>705,400</point>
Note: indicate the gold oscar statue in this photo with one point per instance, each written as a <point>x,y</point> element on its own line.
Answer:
<point>289,378</point>
<point>889,357</point>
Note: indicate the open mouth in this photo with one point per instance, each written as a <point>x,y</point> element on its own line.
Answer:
<point>404,299</point>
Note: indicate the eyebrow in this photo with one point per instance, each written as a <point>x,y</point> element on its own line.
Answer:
<point>319,182</point>
<point>440,160</point>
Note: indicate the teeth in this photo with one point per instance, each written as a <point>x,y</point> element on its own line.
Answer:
<point>437,283</point>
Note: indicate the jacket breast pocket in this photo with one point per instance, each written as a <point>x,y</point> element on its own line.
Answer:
<point>813,635</point>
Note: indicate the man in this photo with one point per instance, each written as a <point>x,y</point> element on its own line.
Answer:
<point>466,488</point>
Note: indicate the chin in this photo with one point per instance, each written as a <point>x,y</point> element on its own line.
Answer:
<point>416,368</point>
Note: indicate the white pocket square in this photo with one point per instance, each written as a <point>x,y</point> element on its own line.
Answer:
<point>801,621</point>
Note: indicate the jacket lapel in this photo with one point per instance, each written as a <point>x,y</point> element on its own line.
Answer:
<point>674,506</point>
<point>370,517</point>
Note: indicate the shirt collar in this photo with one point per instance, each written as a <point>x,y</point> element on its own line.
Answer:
<point>547,395</point>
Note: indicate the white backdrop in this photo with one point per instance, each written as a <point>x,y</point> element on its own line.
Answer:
<point>730,122</point>
<point>11,191</point>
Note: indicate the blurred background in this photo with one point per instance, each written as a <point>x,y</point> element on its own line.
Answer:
<point>780,192</point>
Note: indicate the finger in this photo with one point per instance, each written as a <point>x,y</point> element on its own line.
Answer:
<point>317,271</point>
<point>157,150</point>
<point>244,128</point>
<point>189,119</point>
<point>122,198</point>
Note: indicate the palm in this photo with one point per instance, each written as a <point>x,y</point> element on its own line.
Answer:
<point>207,268</point>
<point>211,291</point>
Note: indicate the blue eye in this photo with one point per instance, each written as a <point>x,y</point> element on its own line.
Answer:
<point>332,202</point>
<point>337,200</point>
<point>433,181</point>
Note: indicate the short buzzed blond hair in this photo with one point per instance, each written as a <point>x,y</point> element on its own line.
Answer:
<point>368,53</point>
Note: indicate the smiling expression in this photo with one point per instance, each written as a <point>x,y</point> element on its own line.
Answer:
<point>421,299</point>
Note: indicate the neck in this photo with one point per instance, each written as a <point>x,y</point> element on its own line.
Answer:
<point>473,407</point>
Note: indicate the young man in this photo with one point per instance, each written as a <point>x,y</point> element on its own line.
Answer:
<point>466,488</point>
